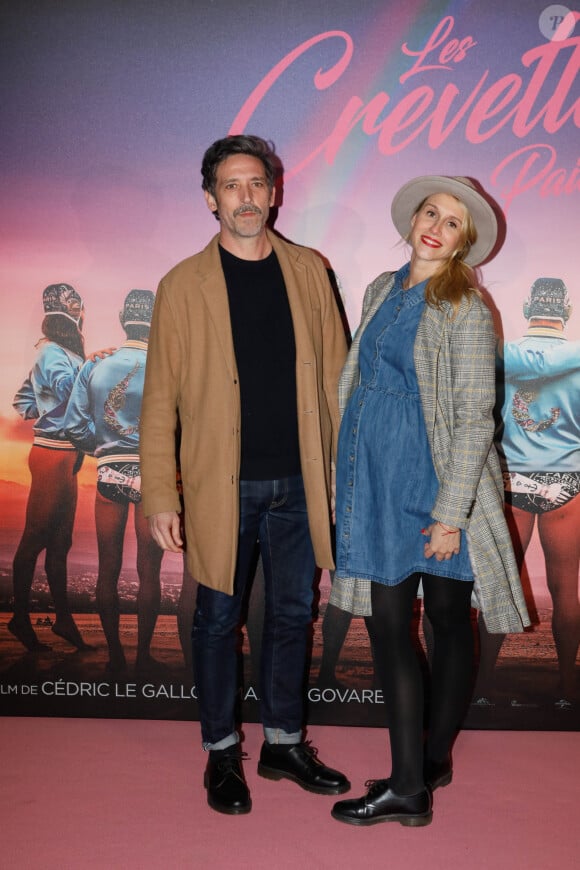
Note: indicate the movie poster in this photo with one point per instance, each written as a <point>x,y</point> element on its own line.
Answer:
<point>107,110</point>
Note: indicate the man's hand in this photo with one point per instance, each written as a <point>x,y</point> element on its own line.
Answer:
<point>165,529</point>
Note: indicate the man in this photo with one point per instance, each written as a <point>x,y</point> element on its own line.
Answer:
<point>102,418</point>
<point>246,349</point>
<point>539,446</point>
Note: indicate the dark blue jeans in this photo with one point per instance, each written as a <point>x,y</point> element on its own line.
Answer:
<point>273,513</point>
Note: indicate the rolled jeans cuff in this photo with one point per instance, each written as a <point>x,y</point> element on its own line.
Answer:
<point>277,735</point>
<point>224,743</point>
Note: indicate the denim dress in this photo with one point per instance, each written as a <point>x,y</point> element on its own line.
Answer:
<point>386,482</point>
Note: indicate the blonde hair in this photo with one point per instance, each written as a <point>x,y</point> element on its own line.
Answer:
<point>454,279</point>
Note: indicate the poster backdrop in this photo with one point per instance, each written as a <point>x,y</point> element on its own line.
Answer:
<point>107,108</point>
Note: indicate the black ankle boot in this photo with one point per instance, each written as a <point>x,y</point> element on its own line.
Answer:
<point>227,791</point>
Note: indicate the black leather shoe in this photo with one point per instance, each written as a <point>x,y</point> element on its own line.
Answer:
<point>382,804</point>
<point>300,763</point>
<point>437,773</point>
<point>227,791</point>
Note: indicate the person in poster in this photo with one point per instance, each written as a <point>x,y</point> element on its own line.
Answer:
<point>53,462</point>
<point>246,348</point>
<point>423,502</point>
<point>102,419</point>
<point>539,444</point>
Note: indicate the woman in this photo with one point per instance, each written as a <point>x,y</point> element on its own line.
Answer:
<point>53,464</point>
<point>419,489</point>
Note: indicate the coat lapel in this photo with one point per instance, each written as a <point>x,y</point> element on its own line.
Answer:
<point>214,291</point>
<point>295,279</point>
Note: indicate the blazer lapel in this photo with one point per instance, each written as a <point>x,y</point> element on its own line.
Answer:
<point>428,362</point>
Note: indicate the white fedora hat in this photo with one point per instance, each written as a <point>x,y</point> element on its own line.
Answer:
<point>413,193</point>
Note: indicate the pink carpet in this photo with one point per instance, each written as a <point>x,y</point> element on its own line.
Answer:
<point>99,793</point>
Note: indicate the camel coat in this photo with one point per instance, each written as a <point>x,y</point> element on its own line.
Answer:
<point>191,382</point>
<point>455,366</point>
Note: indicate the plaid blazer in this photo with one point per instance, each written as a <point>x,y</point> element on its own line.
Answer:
<point>455,366</point>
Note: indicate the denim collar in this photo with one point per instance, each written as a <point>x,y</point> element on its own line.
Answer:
<point>414,295</point>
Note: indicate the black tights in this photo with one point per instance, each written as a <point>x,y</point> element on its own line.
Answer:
<point>448,606</point>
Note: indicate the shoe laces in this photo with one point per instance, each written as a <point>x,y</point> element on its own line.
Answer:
<point>308,752</point>
<point>308,749</point>
<point>374,786</point>
<point>232,764</point>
